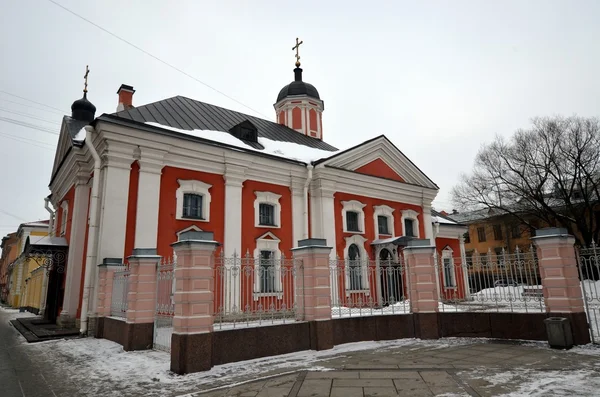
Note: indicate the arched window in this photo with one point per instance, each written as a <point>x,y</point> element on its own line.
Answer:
<point>355,268</point>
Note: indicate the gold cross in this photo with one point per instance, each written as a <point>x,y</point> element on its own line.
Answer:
<point>297,47</point>
<point>87,71</point>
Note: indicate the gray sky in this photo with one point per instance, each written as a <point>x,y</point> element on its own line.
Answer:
<point>438,78</point>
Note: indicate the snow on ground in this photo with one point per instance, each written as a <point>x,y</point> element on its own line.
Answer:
<point>15,313</point>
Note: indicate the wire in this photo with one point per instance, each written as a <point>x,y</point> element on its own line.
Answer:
<point>37,103</point>
<point>28,141</point>
<point>155,57</point>
<point>32,107</point>
<point>28,116</point>
<point>12,215</point>
<point>28,125</point>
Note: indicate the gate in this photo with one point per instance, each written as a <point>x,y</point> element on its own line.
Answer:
<point>165,305</point>
<point>589,274</point>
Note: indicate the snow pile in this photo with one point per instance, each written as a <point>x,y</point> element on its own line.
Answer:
<point>80,137</point>
<point>287,150</point>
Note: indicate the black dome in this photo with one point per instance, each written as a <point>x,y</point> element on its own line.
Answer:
<point>298,87</point>
<point>83,110</point>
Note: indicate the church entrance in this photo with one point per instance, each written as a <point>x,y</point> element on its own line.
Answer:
<point>392,290</point>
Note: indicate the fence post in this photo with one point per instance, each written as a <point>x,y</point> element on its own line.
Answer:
<point>313,292</point>
<point>141,299</point>
<point>422,287</point>
<point>560,280</point>
<point>106,273</point>
<point>191,342</point>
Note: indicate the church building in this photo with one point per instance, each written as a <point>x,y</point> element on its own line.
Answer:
<point>138,177</point>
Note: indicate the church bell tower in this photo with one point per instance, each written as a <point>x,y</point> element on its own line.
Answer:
<point>299,106</point>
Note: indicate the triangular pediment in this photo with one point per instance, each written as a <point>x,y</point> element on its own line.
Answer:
<point>268,236</point>
<point>65,142</point>
<point>380,158</point>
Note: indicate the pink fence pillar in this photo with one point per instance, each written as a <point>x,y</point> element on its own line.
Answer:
<point>141,299</point>
<point>560,279</point>
<point>106,273</point>
<point>422,287</point>
<point>313,290</point>
<point>191,342</point>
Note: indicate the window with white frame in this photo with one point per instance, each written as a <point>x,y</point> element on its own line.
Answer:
<point>65,215</point>
<point>410,223</point>
<point>448,268</point>
<point>267,210</point>
<point>356,261</point>
<point>384,220</point>
<point>267,268</point>
<point>193,200</point>
<point>353,216</point>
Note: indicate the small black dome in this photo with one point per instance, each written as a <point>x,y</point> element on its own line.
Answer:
<point>298,87</point>
<point>83,110</point>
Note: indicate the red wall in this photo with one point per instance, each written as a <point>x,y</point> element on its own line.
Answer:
<point>459,291</point>
<point>134,180</point>
<point>168,226</point>
<point>380,169</point>
<point>296,118</point>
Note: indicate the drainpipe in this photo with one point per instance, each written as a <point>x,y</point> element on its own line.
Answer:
<point>90,259</point>
<point>51,221</point>
<point>306,185</point>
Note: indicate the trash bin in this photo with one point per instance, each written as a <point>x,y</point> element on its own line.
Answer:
<point>559,332</point>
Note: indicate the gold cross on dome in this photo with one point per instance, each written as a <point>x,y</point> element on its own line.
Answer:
<point>87,71</point>
<point>297,47</point>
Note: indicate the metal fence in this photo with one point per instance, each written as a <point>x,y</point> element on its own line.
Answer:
<point>589,272</point>
<point>119,304</point>
<point>492,282</point>
<point>254,291</point>
<point>165,304</point>
<point>368,287</point>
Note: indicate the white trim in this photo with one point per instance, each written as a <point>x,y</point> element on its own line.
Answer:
<point>268,242</point>
<point>271,199</point>
<point>388,212</point>
<point>354,206</point>
<point>192,228</point>
<point>194,187</point>
<point>64,217</point>
<point>411,214</point>
<point>359,241</point>
<point>447,255</point>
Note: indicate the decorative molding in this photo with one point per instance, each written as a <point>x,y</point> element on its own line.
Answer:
<point>267,198</point>
<point>354,206</point>
<point>414,215</point>
<point>268,242</point>
<point>195,187</point>
<point>388,212</point>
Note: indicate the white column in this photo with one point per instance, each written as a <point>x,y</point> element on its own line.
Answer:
<point>234,181</point>
<point>322,212</point>
<point>298,220</point>
<point>112,209</point>
<point>147,208</point>
<point>464,266</point>
<point>304,121</point>
<point>428,226</point>
<point>75,257</point>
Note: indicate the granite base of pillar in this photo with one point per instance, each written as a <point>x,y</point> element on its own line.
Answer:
<point>426,325</point>
<point>66,321</point>
<point>100,327</point>
<point>92,325</point>
<point>139,336</point>
<point>579,326</point>
<point>321,335</point>
<point>191,353</point>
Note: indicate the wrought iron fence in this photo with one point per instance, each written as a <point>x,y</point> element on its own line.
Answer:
<point>498,282</point>
<point>256,291</point>
<point>368,287</point>
<point>165,304</point>
<point>119,304</point>
<point>589,273</point>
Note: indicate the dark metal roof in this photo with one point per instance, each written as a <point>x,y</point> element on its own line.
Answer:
<point>298,87</point>
<point>188,114</point>
<point>73,128</point>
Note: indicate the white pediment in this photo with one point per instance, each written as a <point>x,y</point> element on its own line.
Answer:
<point>64,144</point>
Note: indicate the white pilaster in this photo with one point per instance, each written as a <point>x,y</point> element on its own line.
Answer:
<point>234,181</point>
<point>322,212</point>
<point>428,226</point>
<point>298,220</point>
<point>304,121</point>
<point>75,259</point>
<point>146,220</point>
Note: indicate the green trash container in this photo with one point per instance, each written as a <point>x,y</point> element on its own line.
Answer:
<point>559,332</point>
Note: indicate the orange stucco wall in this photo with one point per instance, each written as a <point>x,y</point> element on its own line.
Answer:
<point>379,168</point>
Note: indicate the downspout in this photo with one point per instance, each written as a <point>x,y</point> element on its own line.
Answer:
<point>90,259</point>
<point>309,167</point>
<point>51,221</point>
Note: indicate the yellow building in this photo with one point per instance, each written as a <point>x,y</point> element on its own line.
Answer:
<point>20,271</point>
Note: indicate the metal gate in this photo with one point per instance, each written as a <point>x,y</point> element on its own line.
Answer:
<point>589,271</point>
<point>165,305</point>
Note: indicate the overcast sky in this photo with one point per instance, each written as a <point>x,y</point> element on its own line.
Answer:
<point>438,78</point>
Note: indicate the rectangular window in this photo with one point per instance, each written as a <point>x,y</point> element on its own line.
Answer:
<point>352,221</point>
<point>192,206</point>
<point>481,234</point>
<point>497,232</point>
<point>467,237</point>
<point>409,228</point>
<point>448,273</point>
<point>267,271</point>
<point>382,223</point>
<point>516,231</point>
<point>266,214</point>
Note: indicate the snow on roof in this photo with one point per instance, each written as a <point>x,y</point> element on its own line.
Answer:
<point>287,150</point>
<point>48,240</point>
<point>442,220</point>
<point>80,137</point>
<point>36,224</point>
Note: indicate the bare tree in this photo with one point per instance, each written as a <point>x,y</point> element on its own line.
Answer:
<point>549,172</point>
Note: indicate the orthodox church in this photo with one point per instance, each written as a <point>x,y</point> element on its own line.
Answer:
<point>137,178</point>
